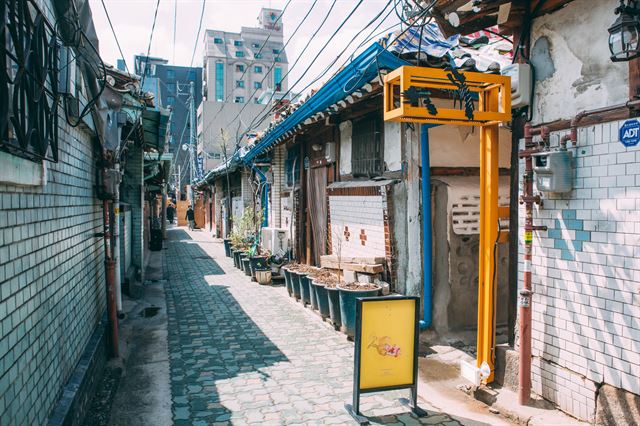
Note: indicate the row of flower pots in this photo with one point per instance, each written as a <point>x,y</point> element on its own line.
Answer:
<point>323,293</point>
<point>257,267</point>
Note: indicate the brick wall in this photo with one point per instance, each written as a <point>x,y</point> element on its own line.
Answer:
<point>51,280</point>
<point>586,276</point>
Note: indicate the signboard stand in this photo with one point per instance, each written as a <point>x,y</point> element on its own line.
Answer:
<point>386,350</point>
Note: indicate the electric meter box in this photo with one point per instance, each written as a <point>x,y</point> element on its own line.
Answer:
<point>520,83</point>
<point>554,171</point>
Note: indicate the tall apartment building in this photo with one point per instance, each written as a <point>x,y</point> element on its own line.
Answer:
<point>170,85</point>
<point>239,68</point>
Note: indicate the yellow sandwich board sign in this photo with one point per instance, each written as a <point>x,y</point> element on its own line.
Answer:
<point>386,348</point>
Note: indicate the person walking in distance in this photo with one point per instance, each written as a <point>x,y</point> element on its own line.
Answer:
<point>191,217</point>
<point>171,212</point>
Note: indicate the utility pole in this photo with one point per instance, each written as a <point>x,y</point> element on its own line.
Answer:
<point>192,140</point>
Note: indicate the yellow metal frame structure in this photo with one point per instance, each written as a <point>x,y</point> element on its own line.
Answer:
<point>493,108</point>
<point>493,91</point>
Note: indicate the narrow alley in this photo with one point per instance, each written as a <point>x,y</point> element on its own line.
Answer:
<point>249,354</point>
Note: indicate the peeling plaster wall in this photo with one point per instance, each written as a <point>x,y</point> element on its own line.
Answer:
<point>392,140</point>
<point>574,72</point>
<point>459,146</point>
<point>346,130</point>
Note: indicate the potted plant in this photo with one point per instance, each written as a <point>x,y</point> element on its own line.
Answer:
<point>288,280</point>
<point>319,282</point>
<point>305,287</point>
<point>295,280</point>
<point>227,247</point>
<point>348,294</point>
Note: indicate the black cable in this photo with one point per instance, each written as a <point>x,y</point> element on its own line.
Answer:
<point>423,15</point>
<point>263,115</point>
<point>274,64</point>
<point>265,43</point>
<point>146,61</point>
<point>204,3</point>
<point>113,31</point>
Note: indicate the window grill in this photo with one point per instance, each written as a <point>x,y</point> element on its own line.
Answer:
<point>28,82</point>
<point>367,152</point>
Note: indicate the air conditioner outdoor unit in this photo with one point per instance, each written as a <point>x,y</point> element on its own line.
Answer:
<point>276,240</point>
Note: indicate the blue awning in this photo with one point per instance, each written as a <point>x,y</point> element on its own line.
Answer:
<point>352,77</point>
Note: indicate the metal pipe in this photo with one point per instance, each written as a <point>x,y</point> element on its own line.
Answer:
<point>524,301</point>
<point>110,271</point>
<point>427,237</point>
<point>116,242</point>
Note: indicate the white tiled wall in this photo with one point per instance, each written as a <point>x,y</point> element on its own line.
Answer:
<point>586,276</point>
<point>358,213</point>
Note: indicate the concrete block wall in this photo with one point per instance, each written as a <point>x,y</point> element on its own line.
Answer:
<point>52,286</point>
<point>586,276</point>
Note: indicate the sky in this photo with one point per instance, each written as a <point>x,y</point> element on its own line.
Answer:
<point>132,21</point>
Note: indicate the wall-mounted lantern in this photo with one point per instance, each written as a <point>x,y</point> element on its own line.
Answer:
<point>624,34</point>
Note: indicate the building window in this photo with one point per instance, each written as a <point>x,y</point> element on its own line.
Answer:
<point>239,54</point>
<point>171,100</point>
<point>257,85</point>
<point>219,81</point>
<point>240,68</point>
<point>240,83</point>
<point>256,100</point>
<point>171,87</point>
<point>292,175</point>
<point>258,55</point>
<point>191,75</point>
<point>367,152</point>
<point>255,45</point>
<point>276,59</point>
<point>217,40</point>
<point>239,99</point>
<point>171,74</point>
<point>276,51</point>
<point>237,43</point>
<point>277,78</point>
<point>257,69</point>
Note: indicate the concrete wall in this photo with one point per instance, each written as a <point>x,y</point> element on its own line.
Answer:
<point>570,52</point>
<point>52,286</point>
<point>346,131</point>
<point>586,275</point>
<point>456,209</point>
<point>132,192</point>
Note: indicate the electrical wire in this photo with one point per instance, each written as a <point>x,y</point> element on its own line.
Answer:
<point>204,3</point>
<point>265,43</point>
<point>153,27</point>
<point>274,64</point>
<point>306,47</point>
<point>113,31</point>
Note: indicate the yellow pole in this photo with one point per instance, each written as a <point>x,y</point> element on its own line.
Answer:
<point>488,234</point>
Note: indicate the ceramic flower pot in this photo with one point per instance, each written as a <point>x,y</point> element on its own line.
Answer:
<point>321,298</point>
<point>287,280</point>
<point>348,298</point>
<point>333,299</point>
<point>295,284</point>
<point>305,288</point>
<point>246,265</point>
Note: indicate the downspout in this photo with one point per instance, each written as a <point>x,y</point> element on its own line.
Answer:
<point>524,300</point>
<point>116,242</point>
<point>427,237</point>
<point>110,270</point>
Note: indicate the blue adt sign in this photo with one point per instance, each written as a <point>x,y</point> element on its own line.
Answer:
<point>630,133</point>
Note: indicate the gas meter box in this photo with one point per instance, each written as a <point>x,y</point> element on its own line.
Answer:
<point>554,171</point>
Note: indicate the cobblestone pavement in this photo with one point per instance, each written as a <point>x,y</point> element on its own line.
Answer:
<point>242,353</point>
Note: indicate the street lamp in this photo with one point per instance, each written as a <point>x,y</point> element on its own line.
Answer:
<point>624,34</point>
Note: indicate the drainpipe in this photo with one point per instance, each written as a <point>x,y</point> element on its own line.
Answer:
<point>427,244</point>
<point>110,269</point>
<point>116,242</point>
<point>524,301</point>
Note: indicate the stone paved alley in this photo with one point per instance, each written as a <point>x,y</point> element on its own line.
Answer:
<point>243,353</point>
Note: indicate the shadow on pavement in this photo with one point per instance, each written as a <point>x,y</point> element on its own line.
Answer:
<point>211,338</point>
